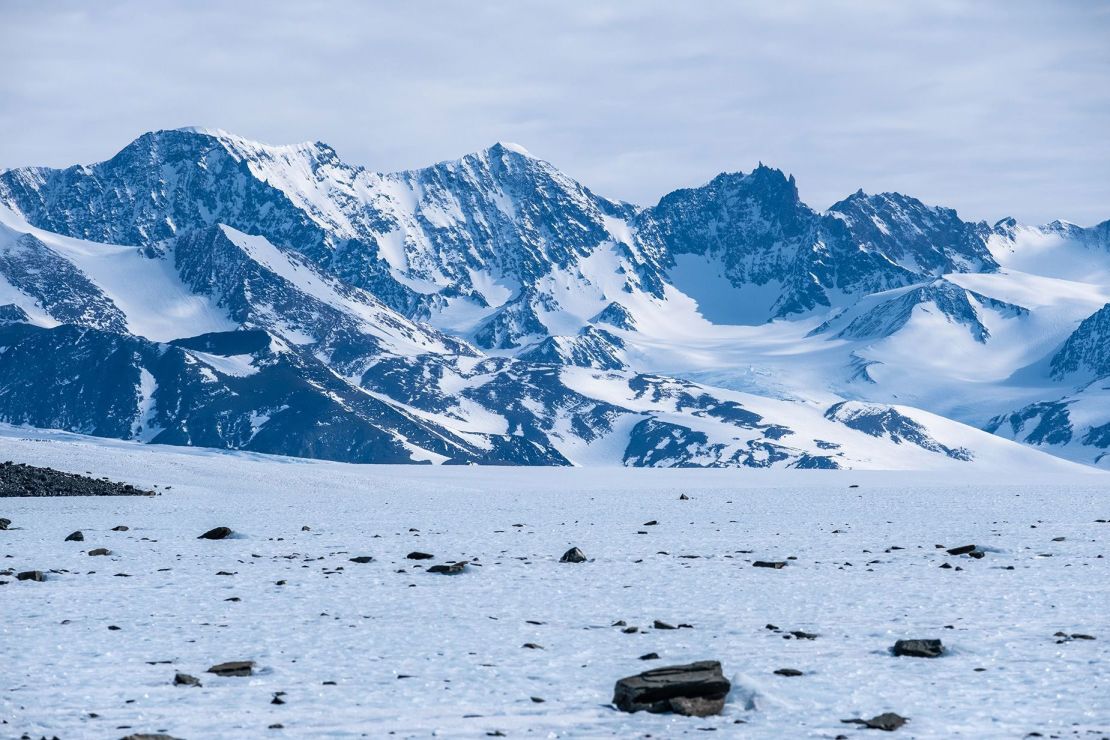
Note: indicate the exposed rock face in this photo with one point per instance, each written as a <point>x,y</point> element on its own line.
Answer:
<point>697,689</point>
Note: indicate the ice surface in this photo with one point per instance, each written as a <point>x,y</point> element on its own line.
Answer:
<point>458,639</point>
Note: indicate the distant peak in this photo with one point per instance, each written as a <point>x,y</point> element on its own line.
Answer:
<point>512,147</point>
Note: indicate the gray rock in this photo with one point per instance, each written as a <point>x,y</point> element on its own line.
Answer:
<point>573,555</point>
<point>961,550</point>
<point>697,690</point>
<point>417,555</point>
<point>100,551</point>
<point>449,570</point>
<point>362,559</point>
<point>30,575</point>
<point>233,668</point>
<point>184,679</point>
<point>919,648</point>
<point>219,533</point>
<point>887,721</point>
<point>776,564</point>
<point>77,536</point>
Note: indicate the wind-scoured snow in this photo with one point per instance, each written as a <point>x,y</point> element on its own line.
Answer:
<point>386,648</point>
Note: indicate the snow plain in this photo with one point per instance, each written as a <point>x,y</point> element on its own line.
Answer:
<point>419,655</point>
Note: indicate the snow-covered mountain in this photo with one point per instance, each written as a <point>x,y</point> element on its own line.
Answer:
<point>202,289</point>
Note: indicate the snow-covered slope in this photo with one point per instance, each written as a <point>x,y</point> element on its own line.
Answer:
<point>492,309</point>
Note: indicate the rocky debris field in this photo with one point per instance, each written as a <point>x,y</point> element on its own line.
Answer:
<point>17,480</point>
<point>923,607</point>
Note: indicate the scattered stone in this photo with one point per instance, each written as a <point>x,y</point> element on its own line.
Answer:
<point>361,559</point>
<point>1058,539</point>
<point>776,564</point>
<point>417,555</point>
<point>630,630</point>
<point>150,736</point>
<point>652,523</point>
<point>233,668</point>
<point>887,721</point>
<point>961,550</point>
<point>113,628</point>
<point>683,497</point>
<point>30,575</point>
<point>532,646</point>
<point>5,523</point>
<point>661,625</point>
<point>184,679</point>
<point>449,570</point>
<point>695,690</point>
<point>918,648</point>
<point>277,698</point>
<point>573,555</point>
<point>306,528</point>
<point>650,656</point>
<point>121,528</point>
<point>537,700</point>
<point>100,551</point>
<point>788,672</point>
<point>77,536</point>
<point>800,635</point>
<point>977,554</point>
<point>219,533</point>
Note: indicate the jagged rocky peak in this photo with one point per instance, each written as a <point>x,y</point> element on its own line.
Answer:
<point>1086,353</point>
<point>921,238</point>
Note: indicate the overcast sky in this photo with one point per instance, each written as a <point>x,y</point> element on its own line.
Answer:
<point>994,108</point>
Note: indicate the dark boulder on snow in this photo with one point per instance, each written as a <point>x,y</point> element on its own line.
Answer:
<point>100,551</point>
<point>696,690</point>
<point>184,679</point>
<point>790,672</point>
<point>417,555</point>
<point>887,721</point>
<point>573,555</point>
<point>233,668</point>
<point>362,559</point>
<point>31,575</point>
<point>121,528</point>
<point>918,648</point>
<point>219,533</point>
<point>776,564</point>
<point>5,523</point>
<point>449,570</point>
<point>961,550</point>
<point>77,536</point>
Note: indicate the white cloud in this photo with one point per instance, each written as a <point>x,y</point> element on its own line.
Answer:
<point>995,108</point>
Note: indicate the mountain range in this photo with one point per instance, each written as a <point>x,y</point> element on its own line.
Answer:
<point>201,289</point>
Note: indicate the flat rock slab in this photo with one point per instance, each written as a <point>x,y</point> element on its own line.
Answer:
<point>961,550</point>
<point>100,551</point>
<point>233,668</point>
<point>449,570</point>
<point>776,564</point>
<point>695,690</point>
<point>219,533</point>
<point>887,721</point>
<point>919,648</point>
<point>417,555</point>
